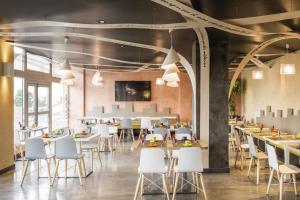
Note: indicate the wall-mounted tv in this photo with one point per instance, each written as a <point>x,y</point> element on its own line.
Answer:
<point>133,90</point>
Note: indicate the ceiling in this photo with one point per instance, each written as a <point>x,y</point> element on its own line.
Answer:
<point>142,12</point>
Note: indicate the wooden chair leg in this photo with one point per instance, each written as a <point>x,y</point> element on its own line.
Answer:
<point>142,185</point>
<point>250,166</point>
<point>280,186</point>
<point>55,171</point>
<point>257,171</point>
<point>137,187</point>
<point>48,170</point>
<point>236,157</point>
<point>242,158</point>
<point>83,166</point>
<point>24,172</point>
<point>166,185</point>
<point>202,185</point>
<point>132,134</point>
<point>38,168</point>
<point>197,182</point>
<point>99,157</point>
<point>79,171</point>
<point>66,168</point>
<point>270,181</point>
<point>295,186</point>
<point>175,185</point>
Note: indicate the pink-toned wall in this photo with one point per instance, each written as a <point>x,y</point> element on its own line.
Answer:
<point>178,99</point>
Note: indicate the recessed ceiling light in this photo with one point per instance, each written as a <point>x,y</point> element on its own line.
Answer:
<point>101,22</point>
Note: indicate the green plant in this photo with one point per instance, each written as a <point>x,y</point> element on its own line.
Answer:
<point>236,90</point>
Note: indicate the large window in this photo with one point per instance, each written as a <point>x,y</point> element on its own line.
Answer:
<point>18,101</point>
<point>38,63</point>
<point>19,58</point>
<point>59,106</point>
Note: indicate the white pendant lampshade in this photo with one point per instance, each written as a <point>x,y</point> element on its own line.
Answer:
<point>171,59</point>
<point>172,84</point>
<point>97,79</point>
<point>287,69</point>
<point>68,78</point>
<point>65,67</point>
<point>170,74</point>
<point>257,74</point>
<point>160,81</point>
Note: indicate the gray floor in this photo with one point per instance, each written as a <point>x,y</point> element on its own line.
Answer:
<point>117,178</point>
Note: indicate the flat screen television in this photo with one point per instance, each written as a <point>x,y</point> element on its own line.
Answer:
<point>133,90</point>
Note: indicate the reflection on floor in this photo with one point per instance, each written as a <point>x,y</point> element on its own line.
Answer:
<point>116,180</point>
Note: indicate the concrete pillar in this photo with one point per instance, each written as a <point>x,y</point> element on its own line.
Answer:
<point>6,111</point>
<point>218,108</point>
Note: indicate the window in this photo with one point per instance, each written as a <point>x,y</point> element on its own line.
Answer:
<point>59,106</point>
<point>18,102</point>
<point>38,63</point>
<point>19,58</point>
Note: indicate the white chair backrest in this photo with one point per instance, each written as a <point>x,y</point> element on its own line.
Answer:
<point>272,157</point>
<point>252,148</point>
<point>35,149</point>
<point>152,161</point>
<point>146,123</point>
<point>126,123</point>
<point>183,130</point>
<point>162,131</point>
<point>190,160</point>
<point>159,137</point>
<point>103,129</point>
<point>66,148</point>
<point>164,121</point>
<point>183,136</point>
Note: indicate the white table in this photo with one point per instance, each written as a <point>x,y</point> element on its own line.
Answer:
<point>26,133</point>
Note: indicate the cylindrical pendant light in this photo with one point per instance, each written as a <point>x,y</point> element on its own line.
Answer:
<point>159,81</point>
<point>97,79</point>
<point>172,84</point>
<point>287,68</point>
<point>67,78</point>
<point>170,74</point>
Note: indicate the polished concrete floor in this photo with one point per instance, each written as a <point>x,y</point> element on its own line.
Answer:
<point>116,180</point>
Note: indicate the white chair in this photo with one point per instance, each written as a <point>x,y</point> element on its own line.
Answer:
<point>174,156</point>
<point>106,139</point>
<point>66,150</point>
<point>183,131</point>
<point>281,170</point>
<point>152,162</point>
<point>158,137</point>
<point>126,125</point>
<point>240,149</point>
<point>35,150</point>
<point>254,155</point>
<point>145,125</point>
<point>190,161</point>
<point>78,127</point>
<point>162,131</point>
<point>113,130</point>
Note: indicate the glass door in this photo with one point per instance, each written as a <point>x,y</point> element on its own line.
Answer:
<point>38,110</point>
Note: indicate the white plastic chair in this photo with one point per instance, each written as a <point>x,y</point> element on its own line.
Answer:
<point>105,136</point>
<point>152,162</point>
<point>281,170</point>
<point>254,155</point>
<point>158,137</point>
<point>162,131</point>
<point>126,124</point>
<point>113,130</point>
<point>145,125</point>
<point>182,136</point>
<point>190,161</point>
<point>183,131</point>
<point>66,150</point>
<point>35,150</point>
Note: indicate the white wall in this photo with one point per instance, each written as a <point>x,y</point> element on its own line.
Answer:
<point>275,90</point>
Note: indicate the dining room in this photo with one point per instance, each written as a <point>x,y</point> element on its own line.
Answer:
<point>149,99</point>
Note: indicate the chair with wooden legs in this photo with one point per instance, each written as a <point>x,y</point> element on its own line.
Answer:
<point>113,130</point>
<point>66,150</point>
<point>35,151</point>
<point>152,162</point>
<point>126,125</point>
<point>240,149</point>
<point>282,170</point>
<point>255,156</point>
<point>190,161</point>
<point>106,139</point>
<point>145,125</point>
<point>19,147</point>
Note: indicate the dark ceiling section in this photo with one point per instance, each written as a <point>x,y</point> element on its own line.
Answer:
<point>91,11</point>
<point>241,45</point>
